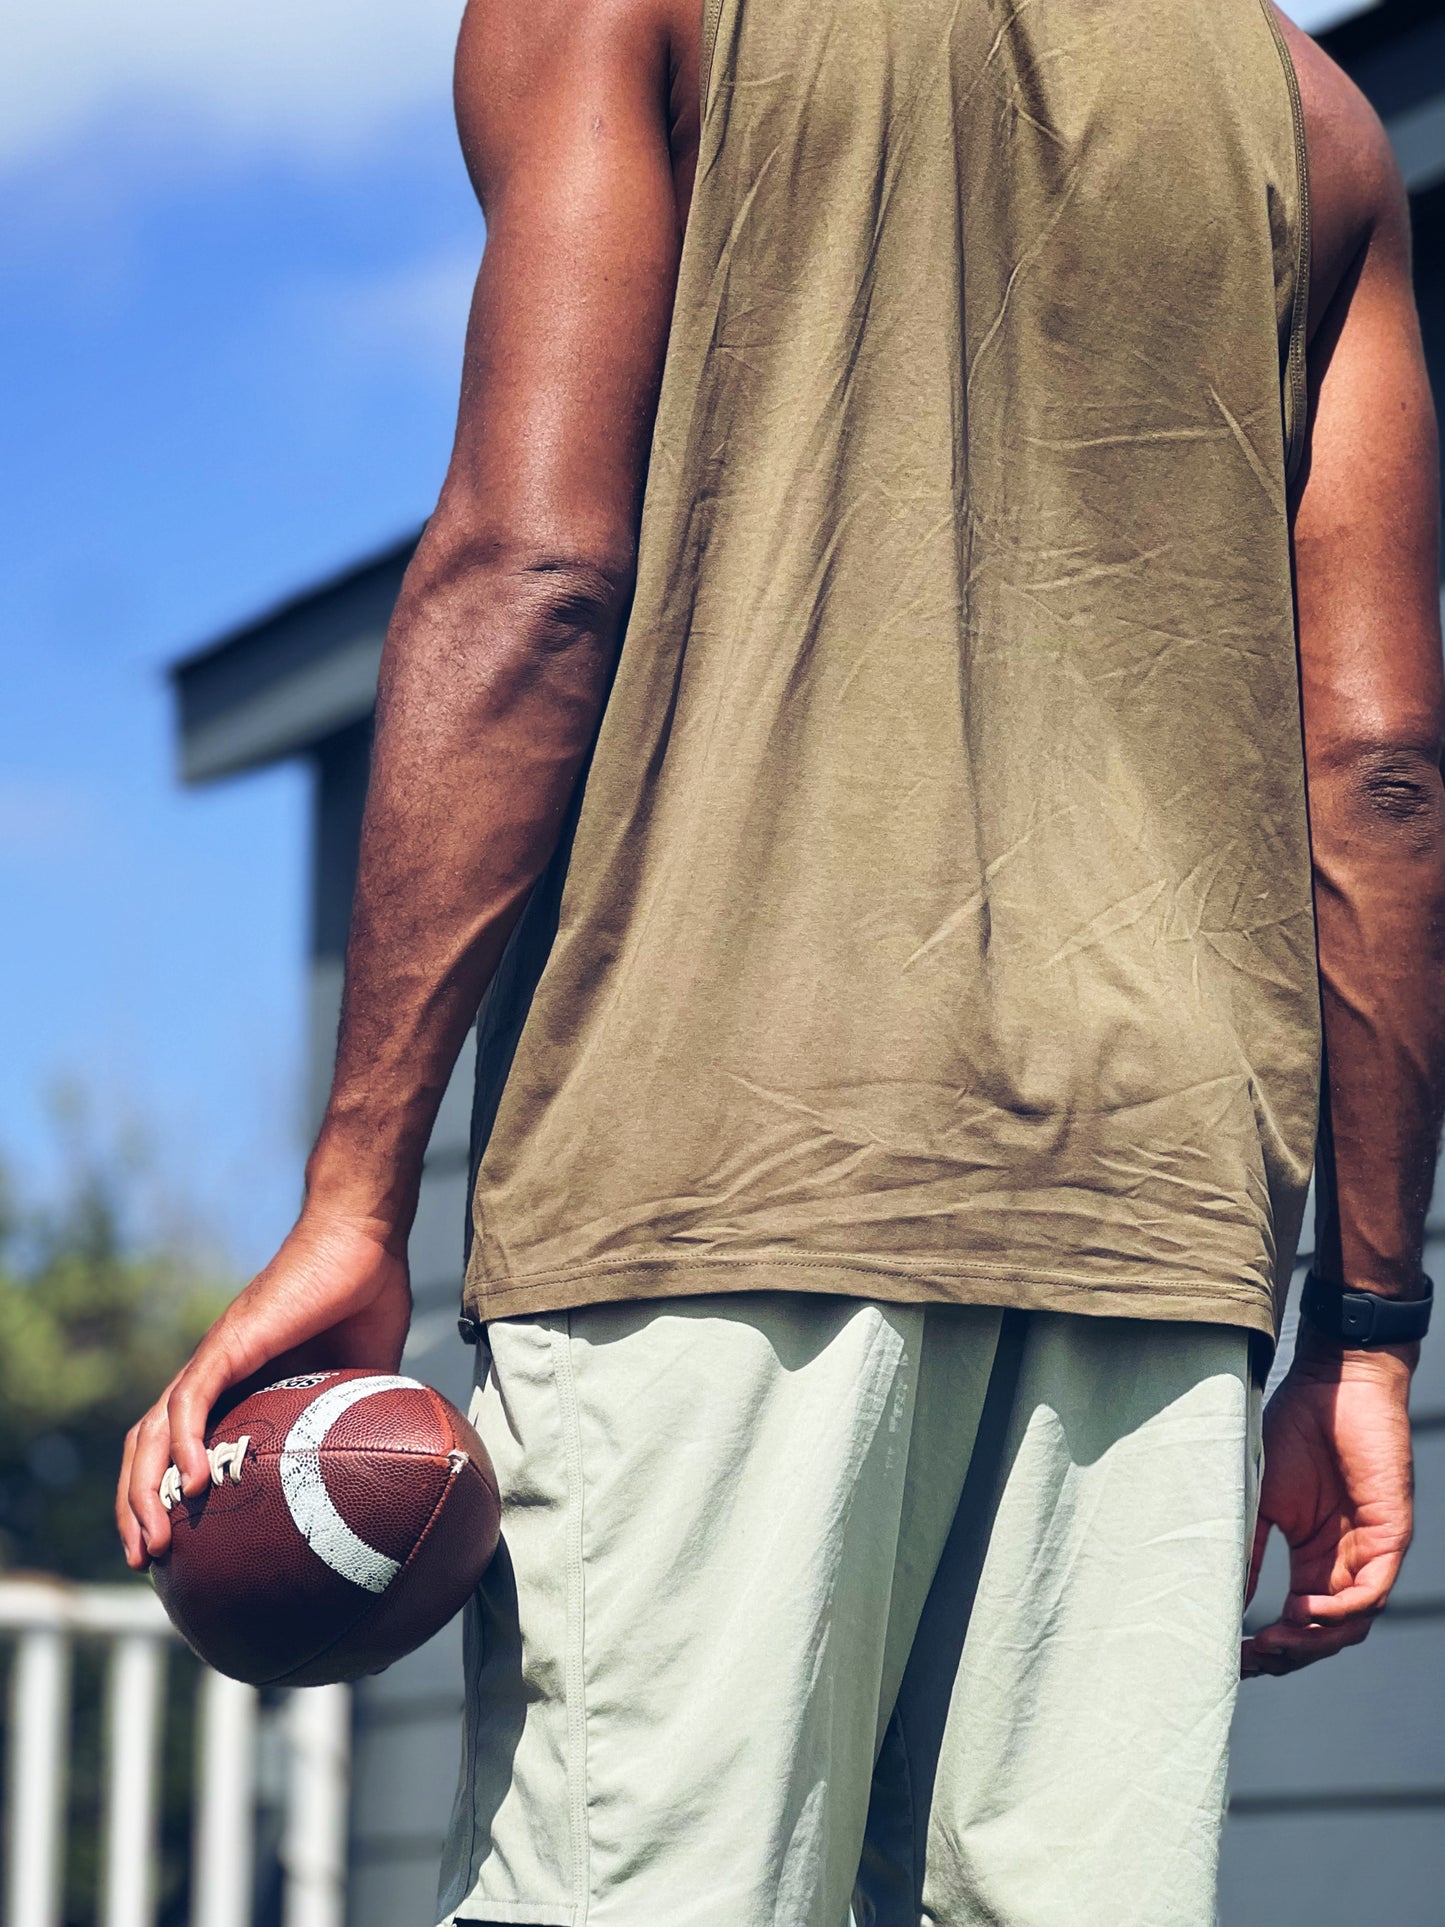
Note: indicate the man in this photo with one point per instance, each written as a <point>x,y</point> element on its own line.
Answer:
<point>904,952</point>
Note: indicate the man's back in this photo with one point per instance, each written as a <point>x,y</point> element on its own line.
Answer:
<point>938,920</point>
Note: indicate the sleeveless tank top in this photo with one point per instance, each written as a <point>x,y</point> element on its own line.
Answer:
<point>935,921</point>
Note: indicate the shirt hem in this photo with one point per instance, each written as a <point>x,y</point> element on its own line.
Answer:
<point>896,1281</point>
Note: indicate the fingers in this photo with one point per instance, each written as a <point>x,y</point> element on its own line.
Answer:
<point>1365,1589</point>
<point>171,1433</point>
<point>126,1523</point>
<point>150,1528</point>
<point>188,1409</point>
<point>1284,1648</point>
<point>1364,1599</point>
<point>335,1288</point>
<point>1317,1626</point>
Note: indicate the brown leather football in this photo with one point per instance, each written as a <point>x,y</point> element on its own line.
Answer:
<point>349,1516</point>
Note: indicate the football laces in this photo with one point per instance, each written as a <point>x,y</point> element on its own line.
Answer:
<point>226,1458</point>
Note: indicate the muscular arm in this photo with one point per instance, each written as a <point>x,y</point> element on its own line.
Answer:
<point>1367,574</point>
<point>496,665</point>
<point>1366,527</point>
<point>502,642</point>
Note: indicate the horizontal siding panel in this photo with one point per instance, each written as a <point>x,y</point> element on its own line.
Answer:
<point>451,1134</point>
<point>437,1237</point>
<point>398,1890</point>
<point>436,1355</point>
<point>432,1670</point>
<point>1318,1870</point>
<point>1372,1719</point>
<point>1427,1394</point>
<point>1423,1578</point>
<point>406,1778</point>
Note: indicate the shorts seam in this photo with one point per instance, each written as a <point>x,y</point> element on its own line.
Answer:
<point>917,1850</point>
<point>576,1679</point>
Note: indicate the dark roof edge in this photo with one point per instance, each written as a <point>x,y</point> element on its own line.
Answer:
<point>1362,33</point>
<point>296,604</point>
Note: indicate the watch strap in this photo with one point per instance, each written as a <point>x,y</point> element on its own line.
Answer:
<point>1363,1318</point>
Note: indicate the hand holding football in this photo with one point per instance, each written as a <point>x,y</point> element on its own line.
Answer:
<point>350,1515</point>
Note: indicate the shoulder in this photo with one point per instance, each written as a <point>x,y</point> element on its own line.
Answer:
<point>507,39</point>
<point>1357,196</point>
<point>526,69</point>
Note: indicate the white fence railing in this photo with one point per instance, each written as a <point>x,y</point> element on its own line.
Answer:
<point>44,1618</point>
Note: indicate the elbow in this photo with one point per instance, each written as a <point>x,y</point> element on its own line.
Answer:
<point>1384,792</point>
<point>1401,788</point>
<point>570,598</point>
<point>548,596</point>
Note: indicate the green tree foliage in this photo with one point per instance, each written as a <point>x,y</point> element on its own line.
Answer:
<point>94,1320</point>
<point>99,1303</point>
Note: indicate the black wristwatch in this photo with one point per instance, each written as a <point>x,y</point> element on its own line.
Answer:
<point>1365,1318</point>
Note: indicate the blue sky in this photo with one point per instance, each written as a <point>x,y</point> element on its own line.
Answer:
<point>239,249</point>
<point>230,329</point>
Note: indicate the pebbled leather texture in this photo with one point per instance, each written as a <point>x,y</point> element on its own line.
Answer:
<point>356,1550</point>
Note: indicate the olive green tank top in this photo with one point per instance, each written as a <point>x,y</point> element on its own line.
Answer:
<point>935,921</point>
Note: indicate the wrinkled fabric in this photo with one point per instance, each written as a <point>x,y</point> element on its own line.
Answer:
<point>804,1600</point>
<point>937,919</point>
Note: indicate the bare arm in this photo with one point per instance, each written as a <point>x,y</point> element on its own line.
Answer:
<point>1366,553</point>
<point>496,665</point>
<point>1366,550</point>
<point>503,638</point>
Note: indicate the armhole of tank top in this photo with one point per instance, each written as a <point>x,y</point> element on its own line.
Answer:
<point>711,13</point>
<point>1296,369</point>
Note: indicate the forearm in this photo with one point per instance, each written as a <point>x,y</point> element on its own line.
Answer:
<point>494,674</point>
<point>1378,819</point>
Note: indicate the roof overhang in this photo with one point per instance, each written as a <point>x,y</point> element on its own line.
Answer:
<point>284,682</point>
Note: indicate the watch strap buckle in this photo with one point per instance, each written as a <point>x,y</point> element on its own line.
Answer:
<point>1363,1318</point>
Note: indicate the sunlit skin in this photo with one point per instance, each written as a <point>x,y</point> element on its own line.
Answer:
<point>579,125</point>
<point>1338,1480</point>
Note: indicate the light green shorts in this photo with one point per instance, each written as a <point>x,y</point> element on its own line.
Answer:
<point>809,1604</point>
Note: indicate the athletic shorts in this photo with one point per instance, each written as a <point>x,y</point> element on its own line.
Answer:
<point>821,1612</point>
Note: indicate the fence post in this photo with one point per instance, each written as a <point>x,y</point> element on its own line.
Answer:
<point>313,1846</point>
<point>225,1831</point>
<point>135,1689</point>
<point>39,1731</point>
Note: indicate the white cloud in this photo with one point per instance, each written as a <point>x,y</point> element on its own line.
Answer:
<point>314,73</point>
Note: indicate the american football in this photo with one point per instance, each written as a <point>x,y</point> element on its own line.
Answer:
<point>349,1515</point>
